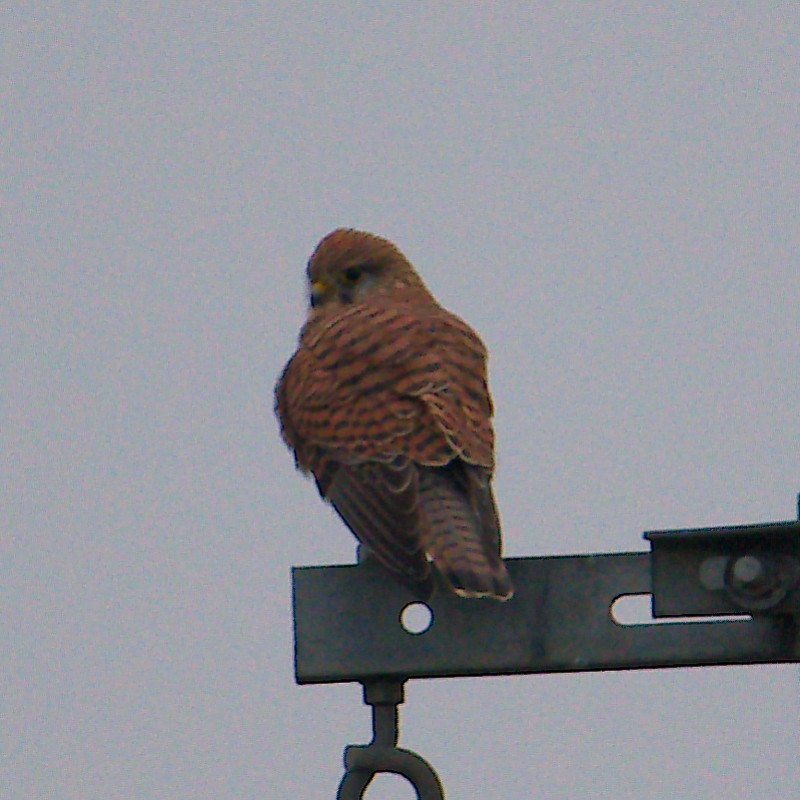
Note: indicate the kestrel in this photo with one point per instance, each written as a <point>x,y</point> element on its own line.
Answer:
<point>386,404</point>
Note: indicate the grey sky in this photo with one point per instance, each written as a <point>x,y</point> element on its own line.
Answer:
<point>608,194</point>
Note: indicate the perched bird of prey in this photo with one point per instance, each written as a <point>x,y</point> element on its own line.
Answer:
<point>386,403</point>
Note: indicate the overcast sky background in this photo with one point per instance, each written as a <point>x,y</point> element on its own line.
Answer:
<point>609,194</point>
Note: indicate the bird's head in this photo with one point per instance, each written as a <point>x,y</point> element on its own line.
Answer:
<point>350,266</point>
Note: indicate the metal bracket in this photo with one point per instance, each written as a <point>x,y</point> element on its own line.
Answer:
<point>348,622</point>
<point>708,571</point>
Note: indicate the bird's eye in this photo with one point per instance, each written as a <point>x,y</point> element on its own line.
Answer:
<point>352,274</point>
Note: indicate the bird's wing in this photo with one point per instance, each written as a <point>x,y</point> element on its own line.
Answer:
<point>379,503</point>
<point>374,382</point>
<point>372,396</point>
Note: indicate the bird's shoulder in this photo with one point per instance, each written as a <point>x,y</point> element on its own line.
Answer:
<point>406,326</point>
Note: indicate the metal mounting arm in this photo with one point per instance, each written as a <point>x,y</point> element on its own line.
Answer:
<point>347,619</point>
<point>348,628</point>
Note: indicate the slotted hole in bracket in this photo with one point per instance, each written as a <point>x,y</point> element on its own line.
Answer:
<point>416,618</point>
<point>637,609</point>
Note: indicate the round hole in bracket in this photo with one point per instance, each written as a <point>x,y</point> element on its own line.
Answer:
<point>416,618</point>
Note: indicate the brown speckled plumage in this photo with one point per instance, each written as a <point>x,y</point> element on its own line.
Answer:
<point>386,403</point>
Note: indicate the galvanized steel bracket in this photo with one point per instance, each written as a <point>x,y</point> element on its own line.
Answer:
<point>710,571</point>
<point>348,619</point>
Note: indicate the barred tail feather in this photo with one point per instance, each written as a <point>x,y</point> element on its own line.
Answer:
<point>463,550</point>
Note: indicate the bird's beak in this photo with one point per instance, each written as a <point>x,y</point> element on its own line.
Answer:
<point>318,290</point>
